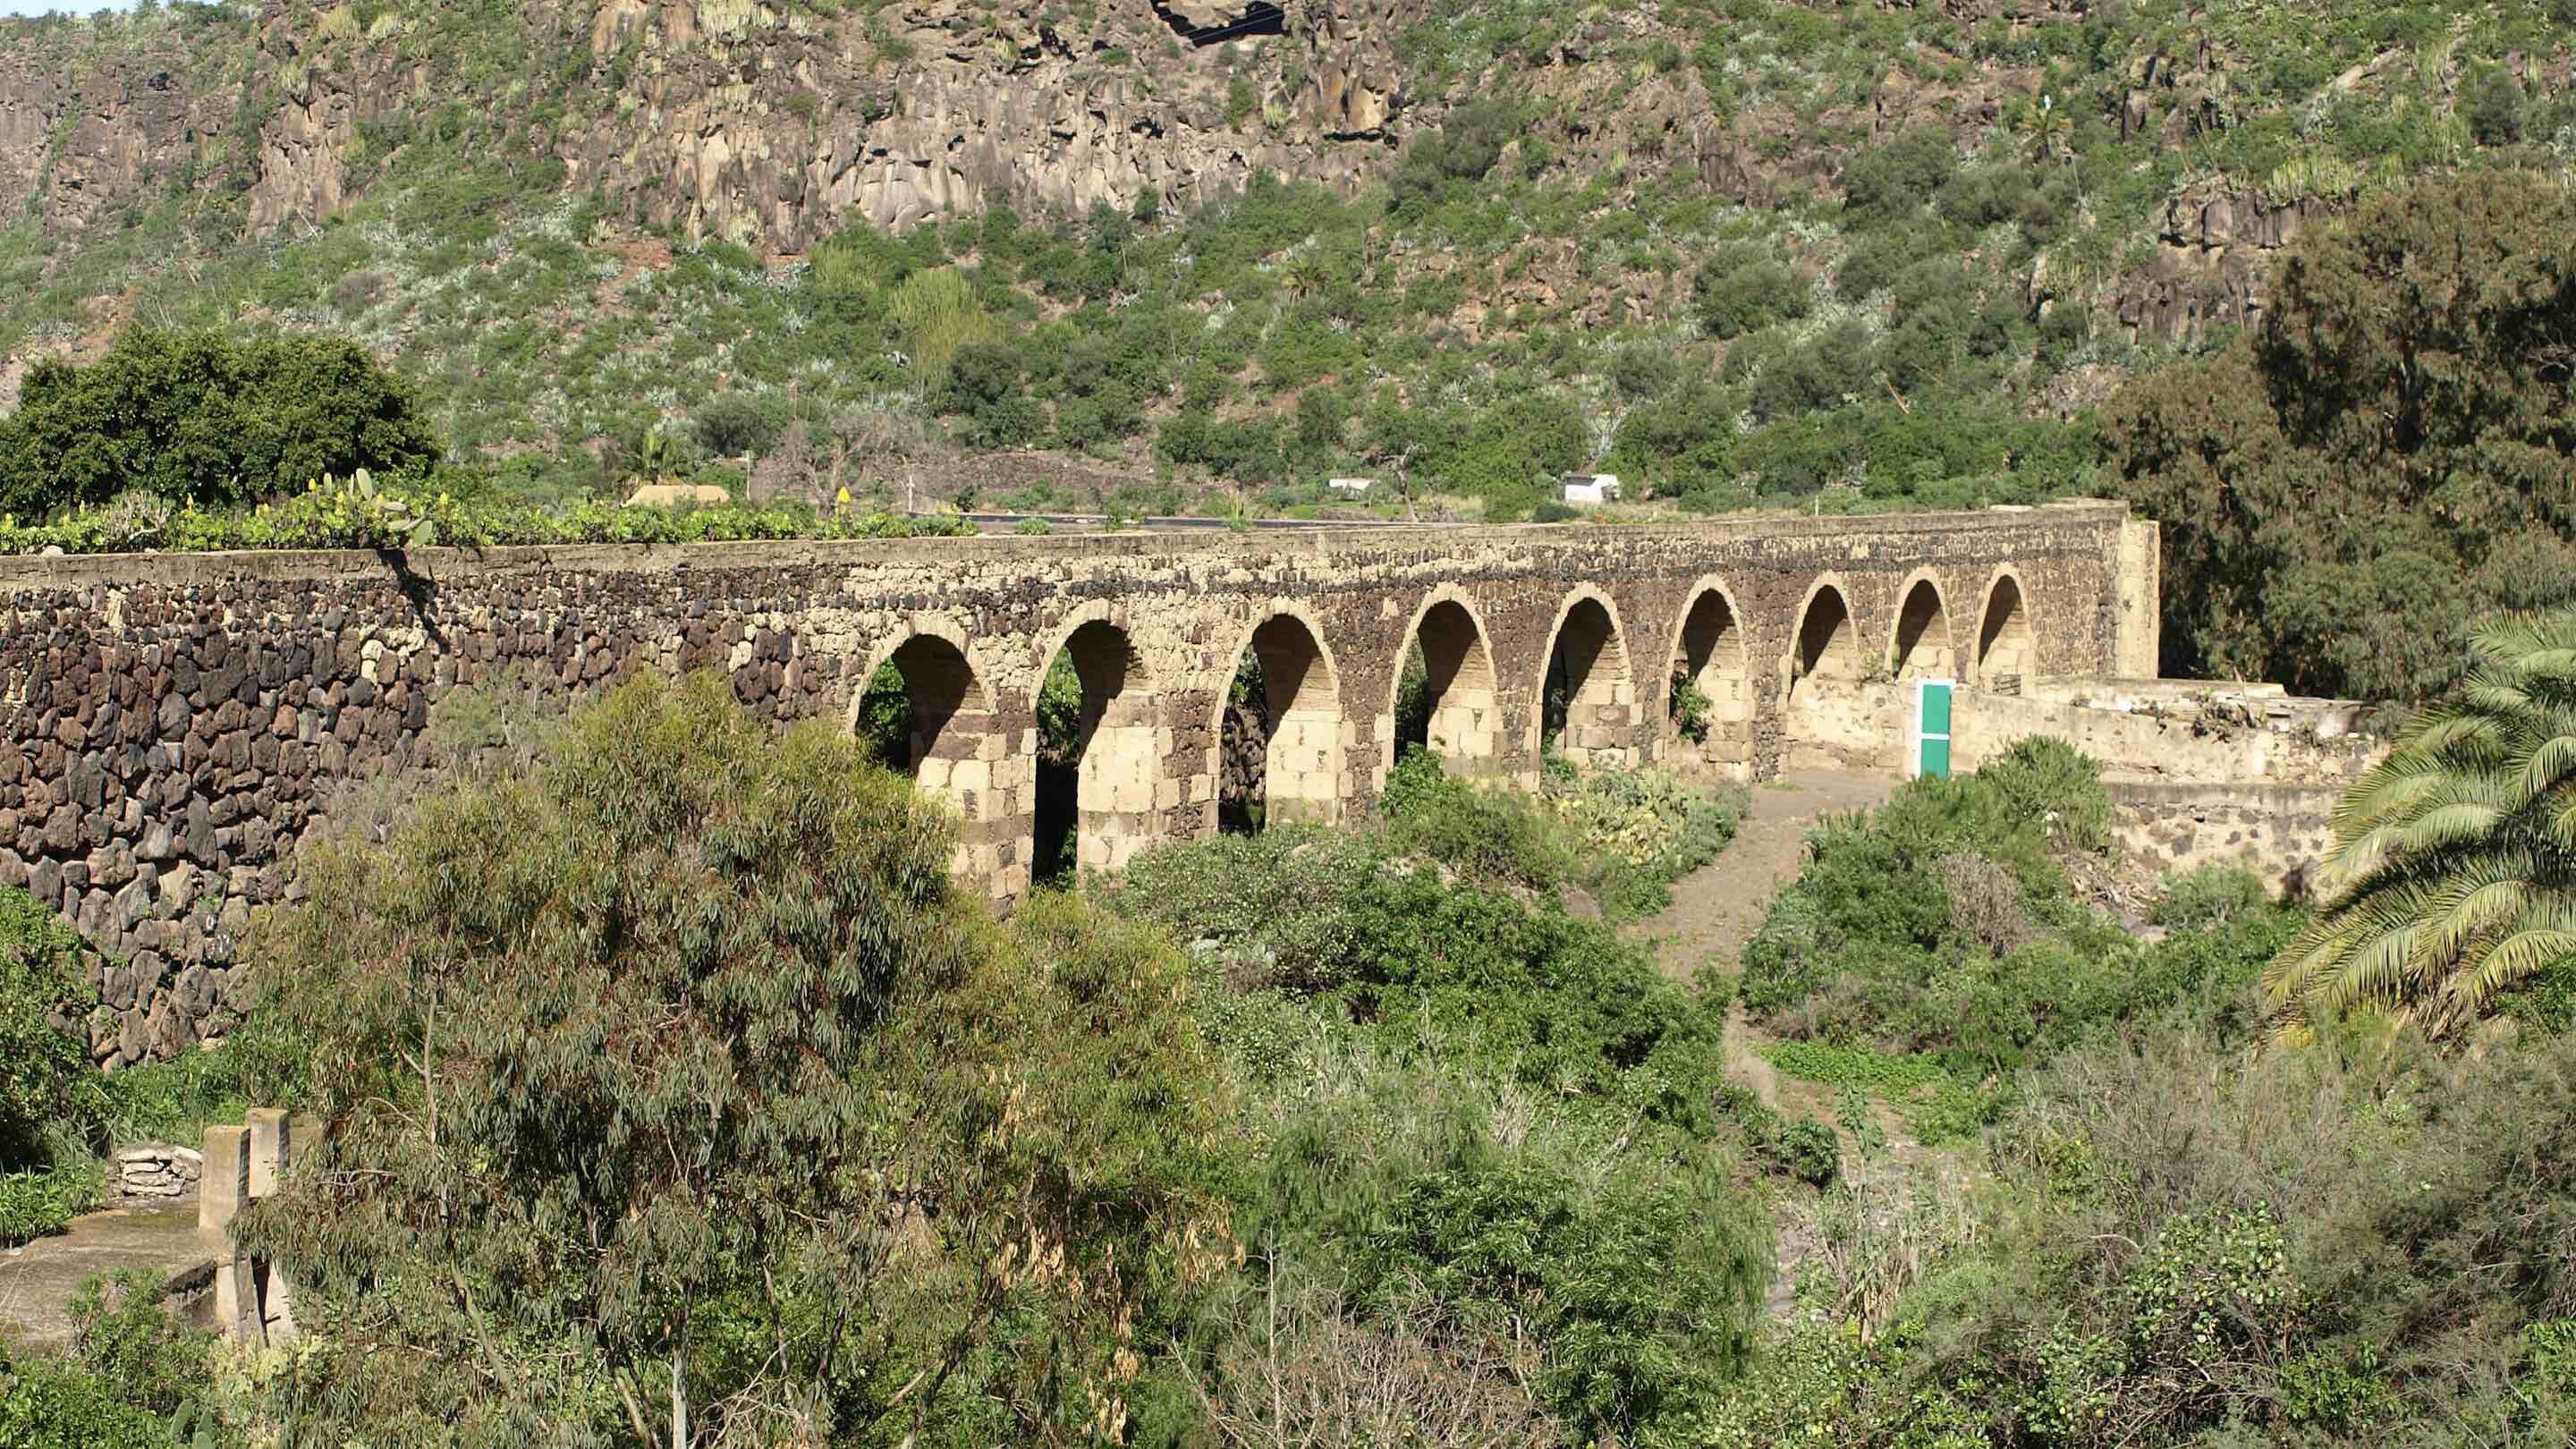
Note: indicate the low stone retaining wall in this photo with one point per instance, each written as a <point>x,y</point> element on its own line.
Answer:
<point>2282,831</point>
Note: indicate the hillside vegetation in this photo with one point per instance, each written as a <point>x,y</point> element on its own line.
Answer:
<point>1743,251</point>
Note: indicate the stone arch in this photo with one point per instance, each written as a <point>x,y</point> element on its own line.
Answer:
<point>954,750</point>
<point>1302,777</point>
<point>1117,735</point>
<point>1921,647</point>
<point>1587,662</point>
<point>1829,717</point>
<point>2007,644</point>
<point>1827,644</point>
<point>1711,654</point>
<point>1461,702</point>
<point>942,685</point>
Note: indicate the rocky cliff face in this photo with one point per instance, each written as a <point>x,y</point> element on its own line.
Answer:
<point>769,126</point>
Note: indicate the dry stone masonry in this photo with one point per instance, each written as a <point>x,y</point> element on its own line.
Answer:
<point>157,1172</point>
<point>176,724</point>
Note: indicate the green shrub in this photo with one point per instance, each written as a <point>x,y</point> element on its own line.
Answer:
<point>125,1335</point>
<point>2209,895</point>
<point>1802,1148</point>
<point>1942,923</point>
<point>48,1097</point>
<point>337,514</point>
<point>1491,834</point>
<point>1741,290</point>
<point>45,1404</point>
<point>41,1202</point>
<point>730,425</point>
<point>1642,1294</point>
<point>1635,831</point>
<point>1418,963</point>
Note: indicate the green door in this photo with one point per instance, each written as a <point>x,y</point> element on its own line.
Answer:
<point>1932,728</point>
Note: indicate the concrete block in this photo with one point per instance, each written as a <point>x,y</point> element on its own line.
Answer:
<point>224,1188</point>
<point>269,1135</point>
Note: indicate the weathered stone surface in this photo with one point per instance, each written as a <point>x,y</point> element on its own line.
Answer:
<point>206,818</point>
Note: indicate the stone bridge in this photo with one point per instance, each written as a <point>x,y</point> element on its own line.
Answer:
<point>175,723</point>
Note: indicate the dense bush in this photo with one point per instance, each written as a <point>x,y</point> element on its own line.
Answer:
<point>1640,1290</point>
<point>51,1105</point>
<point>1943,923</point>
<point>200,416</point>
<point>2315,1246</point>
<point>133,1377</point>
<point>42,1067</point>
<point>2390,369</point>
<point>718,1059</point>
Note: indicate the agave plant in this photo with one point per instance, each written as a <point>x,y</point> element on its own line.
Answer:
<point>2453,870</point>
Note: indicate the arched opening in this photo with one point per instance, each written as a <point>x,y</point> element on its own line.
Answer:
<point>1828,645</point>
<point>2006,656</point>
<point>923,705</point>
<point>924,712</point>
<point>1444,698</point>
<point>1711,702</point>
<point>1922,648</point>
<point>1280,731</point>
<point>1097,765</point>
<point>1587,701</point>
<point>1829,720</point>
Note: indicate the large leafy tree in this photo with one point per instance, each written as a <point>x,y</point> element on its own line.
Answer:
<point>198,415</point>
<point>2391,453</point>
<point>2453,871</point>
<point>674,1095</point>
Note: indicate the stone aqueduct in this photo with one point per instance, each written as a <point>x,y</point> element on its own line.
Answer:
<point>177,722</point>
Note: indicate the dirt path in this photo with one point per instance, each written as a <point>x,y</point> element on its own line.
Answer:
<point>1716,909</point>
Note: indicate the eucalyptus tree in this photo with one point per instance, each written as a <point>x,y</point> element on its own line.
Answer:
<point>672,1094</point>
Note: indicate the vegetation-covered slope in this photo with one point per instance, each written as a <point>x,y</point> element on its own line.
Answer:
<point>1741,247</point>
<point>1742,253</point>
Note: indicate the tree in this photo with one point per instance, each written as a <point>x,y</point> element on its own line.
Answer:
<point>198,415</point>
<point>675,1091</point>
<point>2453,871</point>
<point>732,425</point>
<point>2340,487</point>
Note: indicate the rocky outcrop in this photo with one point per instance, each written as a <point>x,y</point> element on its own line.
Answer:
<point>767,125</point>
<point>2213,264</point>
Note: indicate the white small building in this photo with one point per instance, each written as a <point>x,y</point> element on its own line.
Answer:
<point>1590,489</point>
<point>1356,487</point>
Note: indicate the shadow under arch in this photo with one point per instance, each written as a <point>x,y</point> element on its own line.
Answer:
<point>1444,697</point>
<point>1099,766</point>
<point>2007,647</point>
<point>1921,646</point>
<point>1587,702</point>
<point>1828,643</point>
<point>1711,656</point>
<point>1286,690</point>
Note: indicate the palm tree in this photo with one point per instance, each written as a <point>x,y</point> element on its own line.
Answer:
<point>2453,870</point>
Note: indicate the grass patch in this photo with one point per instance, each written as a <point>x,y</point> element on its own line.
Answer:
<point>1938,1106</point>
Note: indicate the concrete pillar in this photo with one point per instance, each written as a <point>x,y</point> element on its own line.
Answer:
<point>269,1137</point>
<point>237,1306</point>
<point>224,1189</point>
<point>2137,647</point>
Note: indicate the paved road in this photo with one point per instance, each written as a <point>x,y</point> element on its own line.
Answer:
<point>1079,522</point>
